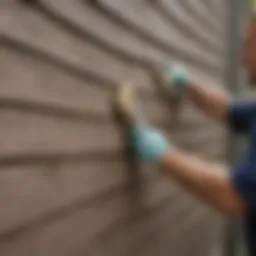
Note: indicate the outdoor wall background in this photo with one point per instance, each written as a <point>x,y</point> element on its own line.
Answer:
<point>65,186</point>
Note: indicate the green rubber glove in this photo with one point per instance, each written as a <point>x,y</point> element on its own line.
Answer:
<point>177,76</point>
<point>148,143</point>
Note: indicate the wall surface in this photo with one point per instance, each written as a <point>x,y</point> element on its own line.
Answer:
<point>66,186</point>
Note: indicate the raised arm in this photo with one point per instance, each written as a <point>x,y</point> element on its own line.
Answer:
<point>237,113</point>
<point>212,103</point>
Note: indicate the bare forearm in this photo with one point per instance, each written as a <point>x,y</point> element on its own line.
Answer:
<point>209,182</point>
<point>212,103</point>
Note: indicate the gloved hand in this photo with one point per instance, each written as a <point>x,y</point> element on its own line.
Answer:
<point>148,143</point>
<point>176,76</point>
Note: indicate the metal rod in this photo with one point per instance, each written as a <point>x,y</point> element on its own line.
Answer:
<point>235,85</point>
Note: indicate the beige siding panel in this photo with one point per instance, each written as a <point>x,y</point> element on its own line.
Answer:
<point>187,236</point>
<point>188,27</point>
<point>67,186</point>
<point>137,238</point>
<point>57,42</point>
<point>69,235</point>
<point>145,19</point>
<point>205,17</point>
<point>30,79</point>
<point>113,227</point>
<point>33,135</point>
<point>39,82</point>
<point>87,18</point>
<point>40,195</point>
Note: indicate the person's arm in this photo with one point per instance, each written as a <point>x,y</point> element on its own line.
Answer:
<point>212,103</point>
<point>232,191</point>
<point>208,181</point>
<point>232,194</point>
<point>237,113</point>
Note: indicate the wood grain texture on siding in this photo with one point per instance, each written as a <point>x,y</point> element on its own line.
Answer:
<point>38,82</point>
<point>88,18</point>
<point>57,42</point>
<point>66,184</point>
<point>148,17</point>
<point>79,228</point>
<point>205,17</point>
<point>46,192</point>
<point>188,27</point>
<point>146,25</point>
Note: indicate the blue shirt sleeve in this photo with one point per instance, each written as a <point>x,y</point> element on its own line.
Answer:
<point>240,114</point>
<point>243,178</point>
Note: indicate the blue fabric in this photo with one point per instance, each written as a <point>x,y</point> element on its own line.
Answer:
<point>148,143</point>
<point>242,118</point>
<point>242,114</point>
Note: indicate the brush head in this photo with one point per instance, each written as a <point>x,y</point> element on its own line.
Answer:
<point>125,104</point>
